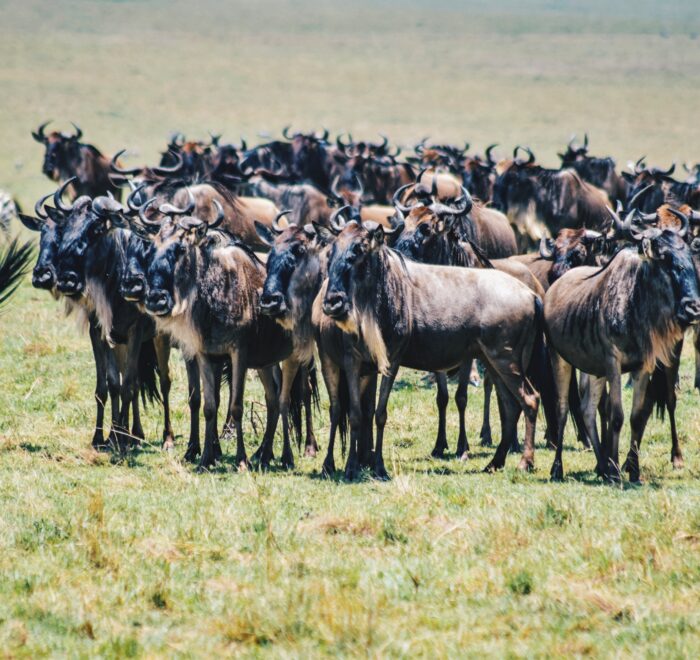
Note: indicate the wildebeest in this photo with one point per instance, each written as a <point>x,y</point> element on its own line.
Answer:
<point>396,313</point>
<point>649,188</point>
<point>599,172</point>
<point>66,157</point>
<point>621,318</point>
<point>203,289</point>
<point>539,201</point>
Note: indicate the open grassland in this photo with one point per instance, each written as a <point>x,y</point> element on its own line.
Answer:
<point>145,557</point>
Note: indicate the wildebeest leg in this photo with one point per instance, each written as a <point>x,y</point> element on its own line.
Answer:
<point>238,370</point>
<point>129,382</point>
<point>562,376</point>
<point>162,346</point>
<point>98,352</point>
<point>263,454</point>
<point>509,411</point>
<point>384,392</point>
<point>368,394</point>
<point>615,419</point>
<point>272,403</point>
<point>207,369</point>
<point>671,374</point>
<point>352,373</point>
<point>592,390</point>
<point>442,399</point>
<point>194,399</point>
<point>461,401</point>
<point>642,405</point>
<point>331,377</point>
<point>310,446</point>
<point>485,434</point>
<point>218,377</point>
<point>113,385</point>
<point>137,433</point>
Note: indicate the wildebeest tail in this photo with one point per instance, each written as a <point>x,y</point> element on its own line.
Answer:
<point>296,404</point>
<point>14,263</point>
<point>575,407</point>
<point>659,390</point>
<point>148,373</point>
<point>540,372</point>
<point>344,404</point>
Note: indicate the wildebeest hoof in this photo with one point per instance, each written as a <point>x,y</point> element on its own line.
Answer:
<point>310,451</point>
<point>677,462</point>
<point>438,452</point>
<point>243,464</point>
<point>526,464</point>
<point>515,447</point>
<point>557,472</point>
<point>352,471</point>
<point>464,456</point>
<point>492,467</point>
<point>137,434</point>
<point>379,472</point>
<point>328,469</point>
<point>287,462</point>
<point>192,453</point>
<point>486,439</point>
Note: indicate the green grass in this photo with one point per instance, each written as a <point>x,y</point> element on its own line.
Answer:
<point>148,558</point>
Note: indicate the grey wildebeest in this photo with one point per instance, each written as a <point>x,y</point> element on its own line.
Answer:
<point>396,313</point>
<point>66,157</point>
<point>621,318</point>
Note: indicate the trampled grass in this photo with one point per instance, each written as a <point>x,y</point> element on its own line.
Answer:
<point>146,557</point>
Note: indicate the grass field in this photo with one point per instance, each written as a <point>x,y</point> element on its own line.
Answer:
<point>146,557</point>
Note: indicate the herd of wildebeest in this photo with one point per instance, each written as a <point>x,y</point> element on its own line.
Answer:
<point>360,258</point>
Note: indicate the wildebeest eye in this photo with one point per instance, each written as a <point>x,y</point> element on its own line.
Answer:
<point>298,250</point>
<point>695,246</point>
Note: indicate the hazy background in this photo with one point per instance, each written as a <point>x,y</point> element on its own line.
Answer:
<point>130,72</point>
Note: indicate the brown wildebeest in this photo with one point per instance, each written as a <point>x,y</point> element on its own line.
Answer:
<point>65,158</point>
<point>539,201</point>
<point>649,188</point>
<point>432,318</point>
<point>621,318</point>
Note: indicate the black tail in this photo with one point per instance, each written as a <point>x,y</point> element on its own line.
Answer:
<point>344,401</point>
<point>13,266</point>
<point>148,373</point>
<point>659,390</point>
<point>540,372</point>
<point>296,404</point>
<point>575,410</point>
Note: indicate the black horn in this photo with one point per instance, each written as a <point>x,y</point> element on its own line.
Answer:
<point>38,135</point>
<point>57,196</point>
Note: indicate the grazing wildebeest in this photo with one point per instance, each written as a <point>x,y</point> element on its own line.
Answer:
<point>539,201</point>
<point>599,172</point>
<point>67,158</point>
<point>396,313</point>
<point>203,289</point>
<point>621,318</point>
<point>14,261</point>
<point>89,262</point>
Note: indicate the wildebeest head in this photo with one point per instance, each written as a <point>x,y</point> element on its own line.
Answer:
<point>574,152</point>
<point>172,271</point>
<point>62,151</point>
<point>48,222</point>
<point>292,267</point>
<point>668,249</point>
<point>87,222</point>
<point>658,186</point>
<point>349,265</point>
<point>570,249</point>
<point>514,184</point>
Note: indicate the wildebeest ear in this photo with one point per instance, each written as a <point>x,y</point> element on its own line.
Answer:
<point>627,176</point>
<point>324,234</point>
<point>266,236</point>
<point>30,222</point>
<point>392,235</point>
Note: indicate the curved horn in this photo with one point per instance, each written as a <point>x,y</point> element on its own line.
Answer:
<point>465,199</point>
<point>667,172</point>
<point>638,196</point>
<point>360,185</point>
<point>126,172</point>
<point>142,213</point>
<point>39,207</point>
<point>531,156</point>
<point>546,251</point>
<point>57,201</point>
<point>170,209</point>
<point>78,131</point>
<point>131,199</point>
<point>487,153</point>
<point>275,223</point>
<point>585,141</point>
<point>220,215</point>
<point>326,133</point>
<point>333,220</point>
<point>621,227</point>
<point>385,142</point>
<point>591,235</point>
<point>285,133</point>
<point>334,186</point>
<point>396,200</point>
<point>38,135</point>
<point>685,221</point>
<point>571,141</point>
<point>244,145</point>
<point>639,165</point>
<point>173,169</point>
<point>214,139</point>
<point>420,147</point>
<point>339,143</point>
